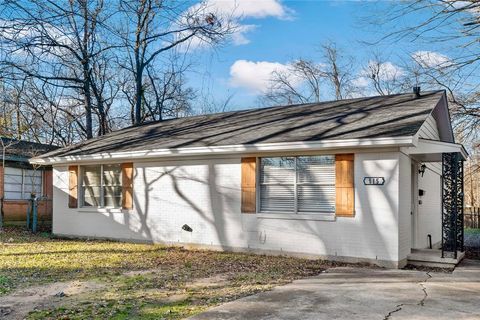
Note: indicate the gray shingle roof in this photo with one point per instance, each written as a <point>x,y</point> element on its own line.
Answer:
<point>372,117</point>
<point>21,150</point>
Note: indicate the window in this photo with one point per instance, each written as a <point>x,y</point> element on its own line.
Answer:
<point>302,185</point>
<point>21,183</point>
<point>102,186</point>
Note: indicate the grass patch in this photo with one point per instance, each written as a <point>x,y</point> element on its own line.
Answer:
<point>176,310</point>
<point>471,231</point>
<point>28,259</point>
<point>5,284</point>
<point>141,281</point>
<point>128,310</point>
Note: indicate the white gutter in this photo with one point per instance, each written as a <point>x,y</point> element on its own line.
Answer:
<point>234,149</point>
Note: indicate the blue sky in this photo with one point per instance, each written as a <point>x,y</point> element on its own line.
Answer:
<point>279,32</point>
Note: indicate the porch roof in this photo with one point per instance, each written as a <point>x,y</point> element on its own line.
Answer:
<point>431,150</point>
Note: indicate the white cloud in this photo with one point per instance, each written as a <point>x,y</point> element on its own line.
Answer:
<point>386,71</point>
<point>250,8</point>
<point>232,12</point>
<point>239,38</point>
<point>467,6</point>
<point>431,59</point>
<point>256,76</point>
<point>361,82</point>
<point>19,35</point>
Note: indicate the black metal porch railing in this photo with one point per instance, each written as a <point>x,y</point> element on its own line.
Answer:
<point>452,205</point>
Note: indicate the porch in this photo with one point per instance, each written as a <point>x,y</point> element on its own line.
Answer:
<point>451,157</point>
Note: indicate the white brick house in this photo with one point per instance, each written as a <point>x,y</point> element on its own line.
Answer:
<point>352,180</point>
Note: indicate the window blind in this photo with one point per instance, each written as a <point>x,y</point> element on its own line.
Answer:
<point>316,184</point>
<point>112,184</point>
<point>298,184</point>
<point>277,184</point>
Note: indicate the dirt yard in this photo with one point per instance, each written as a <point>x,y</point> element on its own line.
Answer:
<point>42,277</point>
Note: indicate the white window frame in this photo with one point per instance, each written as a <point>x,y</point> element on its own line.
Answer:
<point>102,186</point>
<point>22,192</point>
<point>295,190</point>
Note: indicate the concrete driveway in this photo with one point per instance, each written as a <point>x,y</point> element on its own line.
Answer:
<point>362,293</point>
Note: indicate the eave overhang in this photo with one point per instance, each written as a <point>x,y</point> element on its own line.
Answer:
<point>407,141</point>
<point>432,150</point>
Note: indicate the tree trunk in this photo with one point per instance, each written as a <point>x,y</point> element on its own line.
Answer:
<point>88,106</point>
<point>102,114</point>
<point>86,74</point>
<point>103,125</point>
<point>138,97</point>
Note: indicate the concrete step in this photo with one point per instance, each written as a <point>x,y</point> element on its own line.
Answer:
<point>433,258</point>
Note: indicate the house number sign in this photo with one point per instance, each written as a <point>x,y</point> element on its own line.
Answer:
<point>374,181</point>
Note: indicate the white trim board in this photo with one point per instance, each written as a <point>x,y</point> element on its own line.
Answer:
<point>408,141</point>
<point>431,150</point>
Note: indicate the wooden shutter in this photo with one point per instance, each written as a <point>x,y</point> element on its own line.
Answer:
<point>48,183</point>
<point>249,182</point>
<point>344,185</point>
<point>72,186</point>
<point>127,185</point>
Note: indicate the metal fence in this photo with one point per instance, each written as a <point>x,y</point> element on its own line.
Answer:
<point>472,218</point>
<point>34,213</point>
<point>35,220</point>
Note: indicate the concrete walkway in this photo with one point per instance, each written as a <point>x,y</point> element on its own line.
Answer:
<point>356,293</point>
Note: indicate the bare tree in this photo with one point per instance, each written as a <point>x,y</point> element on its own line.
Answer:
<point>307,81</point>
<point>169,98</point>
<point>472,181</point>
<point>209,104</point>
<point>55,117</point>
<point>74,67</point>
<point>338,68</point>
<point>5,143</point>
<point>6,110</point>
<point>165,93</point>
<point>449,24</point>
<point>385,77</point>
<point>300,83</point>
<point>153,28</point>
<point>59,44</point>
